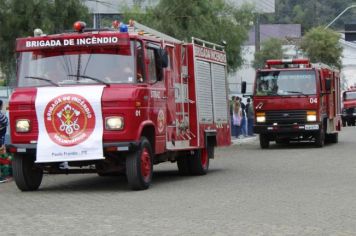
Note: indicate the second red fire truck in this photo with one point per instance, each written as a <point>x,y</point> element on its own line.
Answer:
<point>349,107</point>
<point>296,100</point>
<point>116,101</point>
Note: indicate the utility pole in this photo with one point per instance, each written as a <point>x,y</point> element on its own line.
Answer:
<point>257,32</point>
<point>346,9</point>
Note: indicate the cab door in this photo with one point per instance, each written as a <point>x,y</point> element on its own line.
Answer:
<point>157,94</point>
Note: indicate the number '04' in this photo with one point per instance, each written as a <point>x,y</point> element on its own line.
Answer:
<point>313,100</point>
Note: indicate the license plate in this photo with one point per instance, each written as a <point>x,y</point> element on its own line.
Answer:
<point>311,127</point>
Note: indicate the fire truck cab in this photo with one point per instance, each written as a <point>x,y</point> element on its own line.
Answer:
<point>116,101</point>
<point>349,107</point>
<point>296,100</point>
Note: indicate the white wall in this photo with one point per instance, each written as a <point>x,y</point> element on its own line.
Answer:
<point>348,71</point>
<point>267,6</point>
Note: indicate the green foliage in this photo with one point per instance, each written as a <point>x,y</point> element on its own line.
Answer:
<point>322,45</point>
<point>270,49</point>
<point>18,18</point>
<point>210,20</point>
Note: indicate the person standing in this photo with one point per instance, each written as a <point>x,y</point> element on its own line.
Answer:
<point>243,119</point>
<point>236,117</point>
<point>232,101</point>
<point>4,160</point>
<point>250,117</point>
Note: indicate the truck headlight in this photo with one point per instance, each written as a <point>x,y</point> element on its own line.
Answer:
<point>22,126</point>
<point>311,115</point>
<point>114,123</point>
<point>260,117</point>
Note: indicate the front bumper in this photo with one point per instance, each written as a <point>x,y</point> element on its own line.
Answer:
<point>287,128</point>
<point>107,147</point>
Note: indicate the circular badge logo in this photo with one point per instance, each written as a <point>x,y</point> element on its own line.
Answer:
<point>69,119</point>
<point>160,121</point>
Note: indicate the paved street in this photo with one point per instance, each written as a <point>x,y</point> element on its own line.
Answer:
<point>286,190</point>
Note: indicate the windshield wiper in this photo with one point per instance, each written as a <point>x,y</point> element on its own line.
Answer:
<point>43,79</point>
<point>296,92</point>
<point>92,78</point>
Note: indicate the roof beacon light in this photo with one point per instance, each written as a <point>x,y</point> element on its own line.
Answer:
<point>285,62</point>
<point>37,32</point>
<point>79,26</point>
<point>123,28</point>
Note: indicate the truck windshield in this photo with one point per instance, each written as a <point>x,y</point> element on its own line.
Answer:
<point>104,65</point>
<point>285,83</point>
<point>350,95</point>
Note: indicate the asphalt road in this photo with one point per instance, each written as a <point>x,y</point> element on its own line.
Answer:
<point>286,190</point>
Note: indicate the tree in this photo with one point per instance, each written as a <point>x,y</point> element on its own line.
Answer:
<point>210,20</point>
<point>19,18</point>
<point>322,45</point>
<point>270,49</point>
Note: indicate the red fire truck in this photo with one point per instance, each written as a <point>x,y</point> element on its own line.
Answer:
<point>296,100</point>
<point>116,101</point>
<point>349,107</point>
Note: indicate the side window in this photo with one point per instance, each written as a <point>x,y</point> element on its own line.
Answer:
<point>140,63</point>
<point>152,67</point>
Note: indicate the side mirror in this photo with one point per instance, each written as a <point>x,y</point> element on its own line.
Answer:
<point>243,87</point>
<point>163,57</point>
<point>328,85</point>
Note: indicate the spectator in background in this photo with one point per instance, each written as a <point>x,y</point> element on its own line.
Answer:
<point>3,125</point>
<point>243,119</point>
<point>232,101</point>
<point>236,117</point>
<point>250,113</point>
<point>5,160</point>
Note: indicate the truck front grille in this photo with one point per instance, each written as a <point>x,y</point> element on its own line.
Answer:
<point>286,117</point>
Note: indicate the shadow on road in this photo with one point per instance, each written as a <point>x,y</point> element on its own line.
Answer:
<point>94,183</point>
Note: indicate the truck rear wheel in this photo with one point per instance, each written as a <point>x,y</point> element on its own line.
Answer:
<point>27,176</point>
<point>264,141</point>
<point>199,161</point>
<point>139,166</point>
<point>183,165</point>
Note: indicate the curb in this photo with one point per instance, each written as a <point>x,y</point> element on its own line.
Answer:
<point>244,140</point>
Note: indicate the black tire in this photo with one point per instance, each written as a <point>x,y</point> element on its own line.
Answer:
<point>139,176</point>
<point>27,176</point>
<point>211,151</point>
<point>334,138</point>
<point>199,161</point>
<point>264,141</point>
<point>353,123</point>
<point>320,138</point>
<point>183,166</point>
<point>344,123</point>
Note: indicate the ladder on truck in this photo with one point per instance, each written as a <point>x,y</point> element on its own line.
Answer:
<point>135,27</point>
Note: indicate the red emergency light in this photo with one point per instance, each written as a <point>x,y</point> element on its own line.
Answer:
<point>287,62</point>
<point>79,26</point>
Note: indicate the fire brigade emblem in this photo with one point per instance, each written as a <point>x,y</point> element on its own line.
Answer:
<point>161,121</point>
<point>69,119</point>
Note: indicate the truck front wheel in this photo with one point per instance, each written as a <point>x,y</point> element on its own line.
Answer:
<point>139,166</point>
<point>264,141</point>
<point>27,176</point>
<point>320,138</point>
